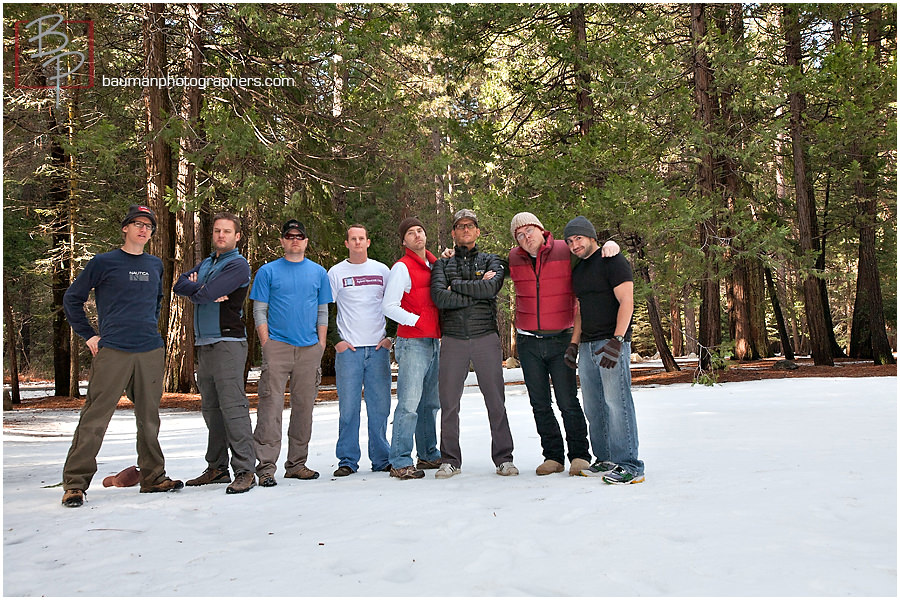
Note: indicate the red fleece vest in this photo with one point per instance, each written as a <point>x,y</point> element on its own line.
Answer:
<point>544,297</point>
<point>418,300</point>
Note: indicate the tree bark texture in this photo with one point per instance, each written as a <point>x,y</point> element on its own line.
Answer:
<point>10,341</point>
<point>820,346</point>
<point>158,157</point>
<point>868,334</point>
<point>710,335</point>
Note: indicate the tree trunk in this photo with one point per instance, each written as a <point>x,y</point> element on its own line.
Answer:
<point>820,243</point>
<point>10,340</point>
<point>675,326</point>
<point>158,158</point>
<point>180,342</point>
<point>59,277</point>
<point>710,335</point>
<point>690,323</point>
<point>820,345</point>
<point>582,75</point>
<point>786,347</point>
<point>868,334</point>
<point>72,219</point>
<point>659,335</point>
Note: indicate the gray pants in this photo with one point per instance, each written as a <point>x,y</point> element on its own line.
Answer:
<point>140,376</point>
<point>281,362</point>
<point>486,356</point>
<point>224,404</point>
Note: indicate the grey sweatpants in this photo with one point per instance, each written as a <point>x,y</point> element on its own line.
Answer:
<point>486,356</point>
<point>224,404</point>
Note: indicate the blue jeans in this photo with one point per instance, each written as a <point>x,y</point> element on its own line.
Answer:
<point>370,369</point>
<point>418,360</point>
<point>609,406</point>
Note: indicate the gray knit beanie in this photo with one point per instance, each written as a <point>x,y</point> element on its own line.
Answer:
<point>521,220</point>
<point>579,226</point>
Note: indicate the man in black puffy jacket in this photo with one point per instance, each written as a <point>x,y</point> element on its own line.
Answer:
<point>464,287</point>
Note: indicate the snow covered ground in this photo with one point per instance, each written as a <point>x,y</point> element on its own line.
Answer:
<point>770,488</point>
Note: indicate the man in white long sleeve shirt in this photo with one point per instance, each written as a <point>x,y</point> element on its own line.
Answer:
<point>407,300</point>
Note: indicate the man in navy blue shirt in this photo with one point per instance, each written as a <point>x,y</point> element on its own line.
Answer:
<point>128,355</point>
<point>217,287</point>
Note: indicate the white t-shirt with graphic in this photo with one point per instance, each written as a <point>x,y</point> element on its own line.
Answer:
<point>358,290</point>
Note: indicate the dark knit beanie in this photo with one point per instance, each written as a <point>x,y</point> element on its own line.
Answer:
<point>579,226</point>
<point>405,225</point>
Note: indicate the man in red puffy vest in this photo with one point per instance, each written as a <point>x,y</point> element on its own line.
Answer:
<point>407,300</point>
<point>545,309</point>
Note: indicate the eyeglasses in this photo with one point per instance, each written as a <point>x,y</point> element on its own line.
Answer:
<point>142,225</point>
<point>466,226</point>
<point>294,236</point>
<point>525,231</point>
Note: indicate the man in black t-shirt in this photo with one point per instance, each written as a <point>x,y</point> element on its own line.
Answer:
<point>602,333</point>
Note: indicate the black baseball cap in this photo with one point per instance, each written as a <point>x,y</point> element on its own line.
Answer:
<point>293,224</point>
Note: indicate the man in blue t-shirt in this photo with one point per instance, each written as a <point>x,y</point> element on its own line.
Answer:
<point>128,355</point>
<point>602,336</point>
<point>290,306</point>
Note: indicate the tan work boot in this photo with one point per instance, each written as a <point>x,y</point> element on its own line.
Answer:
<point>242,483</point>
<point>210,476</point>
<point>548,467</point>
<point>578,465</point>
<point>73,498</point>
<point>166,485</point>
<point>302,472</point>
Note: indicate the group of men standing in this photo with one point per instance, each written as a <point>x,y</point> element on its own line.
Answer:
<point>446,314</point>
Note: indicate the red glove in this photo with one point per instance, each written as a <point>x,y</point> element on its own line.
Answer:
<point>609,353</point>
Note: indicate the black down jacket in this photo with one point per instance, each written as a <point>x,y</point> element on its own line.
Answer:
<point>467,303</point>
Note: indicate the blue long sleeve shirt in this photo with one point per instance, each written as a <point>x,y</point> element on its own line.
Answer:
<point>128,292</point>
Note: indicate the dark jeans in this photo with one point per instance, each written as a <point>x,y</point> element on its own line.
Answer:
<point>542,362</point>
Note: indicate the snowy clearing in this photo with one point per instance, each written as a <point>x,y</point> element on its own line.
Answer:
<point>770,488</point>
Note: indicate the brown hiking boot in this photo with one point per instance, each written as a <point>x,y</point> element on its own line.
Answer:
<point>242,483</point>
<point>343,471</point>
<point>73,498</point>
<point>409,472</point>
<point>303,472</point>
<point>267,480</point>
<point>166,485</point>
<point>210,476</point>
<point>549,467</point>
<point>428,464</point>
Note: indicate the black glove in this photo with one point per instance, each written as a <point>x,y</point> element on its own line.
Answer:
<point>571,357</point>
<point>609,353</point>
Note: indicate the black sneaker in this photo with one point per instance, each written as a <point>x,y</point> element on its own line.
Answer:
<point>210,476</point>
<point>343,471</point>
<point>267,481</point>
<point>73,498</point>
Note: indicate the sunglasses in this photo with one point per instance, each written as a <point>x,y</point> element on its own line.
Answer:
<point>294,236</point>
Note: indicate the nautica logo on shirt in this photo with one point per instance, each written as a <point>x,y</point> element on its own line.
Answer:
<point>138,276</point>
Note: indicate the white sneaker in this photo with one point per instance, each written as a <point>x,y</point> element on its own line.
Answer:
<point>446,471</point>
<point>506,469</point>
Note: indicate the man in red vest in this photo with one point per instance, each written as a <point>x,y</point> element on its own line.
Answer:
<point>545,310</point>
<point>407,300</point>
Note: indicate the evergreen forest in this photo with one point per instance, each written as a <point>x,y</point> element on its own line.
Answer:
<point>744,156</point>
